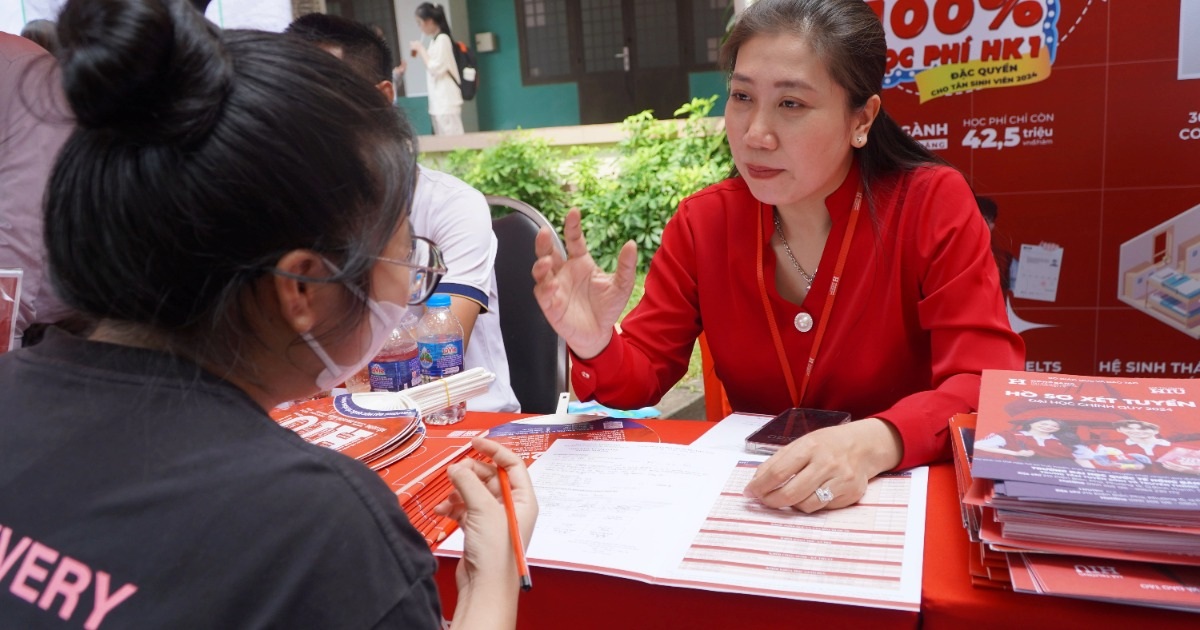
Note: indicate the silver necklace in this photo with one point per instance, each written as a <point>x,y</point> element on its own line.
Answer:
<point>808,278</point>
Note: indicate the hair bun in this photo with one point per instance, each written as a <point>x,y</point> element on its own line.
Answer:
<point>152,69</point>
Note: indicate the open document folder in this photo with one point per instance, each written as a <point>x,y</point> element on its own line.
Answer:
<point>675,515</point>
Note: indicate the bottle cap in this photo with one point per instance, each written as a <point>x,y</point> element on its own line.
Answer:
<point>438,299</point>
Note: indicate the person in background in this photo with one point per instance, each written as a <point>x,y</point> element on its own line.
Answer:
<point>35,121</point>
<point>42,33</point>
<point>239,247</point>
<point>889,316</point>
<point>441,70</point>
<point>356,44</point>
<point>445,210</point>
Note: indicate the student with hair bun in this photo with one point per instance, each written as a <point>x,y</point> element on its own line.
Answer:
<point>441,70</point>
<point>238,246</point>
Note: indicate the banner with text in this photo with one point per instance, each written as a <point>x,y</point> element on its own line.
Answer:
<point>1077,122</point>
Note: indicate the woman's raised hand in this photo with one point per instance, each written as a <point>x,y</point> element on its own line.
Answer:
<point>581,302</point>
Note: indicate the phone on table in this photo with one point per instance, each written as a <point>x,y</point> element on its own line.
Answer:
<point>790,426</point>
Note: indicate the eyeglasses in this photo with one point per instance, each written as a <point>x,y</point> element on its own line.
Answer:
<point>425,260</point>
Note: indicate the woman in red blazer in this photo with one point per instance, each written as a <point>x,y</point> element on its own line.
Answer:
<point>845,268</point>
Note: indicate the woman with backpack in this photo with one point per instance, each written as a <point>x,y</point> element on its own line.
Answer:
<point>441,70</point>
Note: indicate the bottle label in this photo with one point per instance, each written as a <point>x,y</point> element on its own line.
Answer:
<point>390,376</point>
<point>440,359</point>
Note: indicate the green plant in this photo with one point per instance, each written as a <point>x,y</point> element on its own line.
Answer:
<point>520,167</point>
<point>659,163</point>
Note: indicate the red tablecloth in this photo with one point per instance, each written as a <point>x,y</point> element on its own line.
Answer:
<point>948,600</point>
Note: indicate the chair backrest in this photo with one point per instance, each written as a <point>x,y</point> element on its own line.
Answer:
<point>537,356</point>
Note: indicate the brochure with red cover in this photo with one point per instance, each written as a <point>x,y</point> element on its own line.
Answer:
<point>1139,583</point>
<point>991,532</point>
<point>1091,440</point>
<point>363,426</point>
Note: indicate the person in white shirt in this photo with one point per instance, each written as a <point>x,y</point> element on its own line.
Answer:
<point>454,215</point>
<point>441,70</point>
<point>445,210</point>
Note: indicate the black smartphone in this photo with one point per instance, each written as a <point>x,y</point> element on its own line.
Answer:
<point>791,425</point>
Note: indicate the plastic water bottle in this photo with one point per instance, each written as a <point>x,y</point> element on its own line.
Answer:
<point>440,351</point>
<point>395,368</point>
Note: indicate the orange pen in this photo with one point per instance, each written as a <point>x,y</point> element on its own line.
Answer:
<point>514,531</point>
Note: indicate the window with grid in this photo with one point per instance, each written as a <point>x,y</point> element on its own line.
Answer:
<point>657,31</point>
<point>381,14</point>
<point>708,19</point>
<point>603,37</point>
<point>547,45</point>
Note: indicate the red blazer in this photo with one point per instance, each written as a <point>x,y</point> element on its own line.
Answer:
<point>918,313</point>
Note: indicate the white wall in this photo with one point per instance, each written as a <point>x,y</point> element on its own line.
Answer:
<point>264,15</point>
<point>15,13</point>
<point>267,15</point>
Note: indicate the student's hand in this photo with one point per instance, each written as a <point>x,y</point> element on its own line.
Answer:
<point>840,459</point>
<point>487,573</point>
<point>416,48</point>
<point>581,302</point>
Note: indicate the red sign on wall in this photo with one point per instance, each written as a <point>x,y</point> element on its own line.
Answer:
<point>1080,120</point>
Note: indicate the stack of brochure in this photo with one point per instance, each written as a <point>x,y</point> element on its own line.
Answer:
<point>379,428</point>
<point>367,427</point>
<point>1101,473</point>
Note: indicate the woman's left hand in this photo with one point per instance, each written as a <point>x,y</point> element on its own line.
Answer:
<point>836,462</point>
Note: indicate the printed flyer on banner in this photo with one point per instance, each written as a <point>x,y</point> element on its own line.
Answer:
<point>1091,440</point>
<point>1077,124</point>
<point>953,47</point>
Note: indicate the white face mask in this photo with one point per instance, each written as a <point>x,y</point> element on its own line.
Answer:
<point>384,317</point>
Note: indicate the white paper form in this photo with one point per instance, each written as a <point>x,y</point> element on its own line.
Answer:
<point>620,506</point>
<point>1037,273</point>
<point>674,515</point>
<point>730,435</point>
<point>870,553</point>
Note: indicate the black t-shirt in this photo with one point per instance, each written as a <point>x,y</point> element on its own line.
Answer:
<point>138,491</point>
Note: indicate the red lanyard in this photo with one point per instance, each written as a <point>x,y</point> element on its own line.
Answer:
<point>843,254</point>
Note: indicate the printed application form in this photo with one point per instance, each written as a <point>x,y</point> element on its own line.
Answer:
<point>675,515</point>
<point>1038,272</point>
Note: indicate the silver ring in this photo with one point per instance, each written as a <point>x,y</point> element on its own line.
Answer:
<point>824,495</point>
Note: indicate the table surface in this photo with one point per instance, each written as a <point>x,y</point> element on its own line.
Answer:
<point>948,600</point>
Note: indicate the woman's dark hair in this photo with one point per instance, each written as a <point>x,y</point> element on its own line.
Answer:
<point>200,158</point>
<point>849,37</point>
<point>435,12</point>
<point>42,33</point>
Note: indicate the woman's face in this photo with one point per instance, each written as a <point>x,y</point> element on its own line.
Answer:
<point>429,27</point>
<point>390,283</point>
<point>1045,426</point>
<point>789,125</point>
